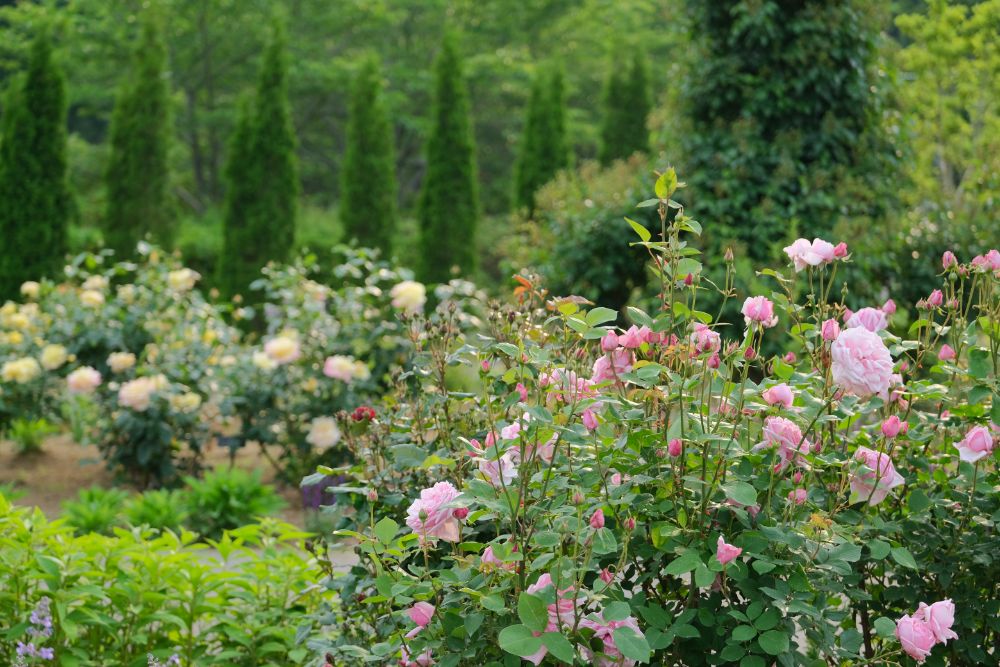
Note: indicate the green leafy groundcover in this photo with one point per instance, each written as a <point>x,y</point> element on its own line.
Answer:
<point>137,597</point>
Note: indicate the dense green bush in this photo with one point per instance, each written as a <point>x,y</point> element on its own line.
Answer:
<point>114,601</point>
<point>161,509</point>
<point>228,498</point>
<point>95,510</point>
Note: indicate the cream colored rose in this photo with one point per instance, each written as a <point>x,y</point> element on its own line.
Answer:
<point>91,298</point>
<point>262,361</point>
<point>283,349</point>
<point>121,361</point>
<point>95,283</point>
<point>187,402</point>
<point>18,321</point>
<point>21,370</point>
<point>182,280</point>
<point>83,380</point>
<point>360,371</point>
<point>14,337</point>
<point>323,433</point>
<point>53,356</point>
<point>126,293</point>
<point>137,394</point>
<point>409,296</point>
<point>30,289</point>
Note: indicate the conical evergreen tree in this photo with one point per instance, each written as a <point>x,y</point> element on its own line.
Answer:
<point>627,104</point>
<point>34,196</point>
<point>137,172</point>
<point>449,201</point>
<point>544,147</point>
<point>262,178</point>
<point>368,177</point>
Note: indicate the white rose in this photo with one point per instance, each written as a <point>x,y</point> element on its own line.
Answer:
<point>409,296</point>
<point>323,433</point>
<point>283,349</point>
<point>30,289</point>
<point>83,380</point>
<point>91,298</point>
<point>121,361</point>
<point>182,280</point>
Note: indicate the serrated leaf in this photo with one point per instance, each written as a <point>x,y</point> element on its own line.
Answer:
<point>643,233</point>
<point>878,549</point>
<point>885,627</point>
<point>741,492</point>
<point>683,564</point>
<point>904,558</point>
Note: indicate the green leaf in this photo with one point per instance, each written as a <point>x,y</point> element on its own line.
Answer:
<point>617,611</point>
<point>885,627</point>
<point>904,558</point>
<point>774,642</point>
<point>744,633</point>
<point>666,184</point>
<point>519,640</point>
<point>639,229</point>
<point>631,644</point>
<point>682,564</point>
<point>559,647</point>
<point>918,501</point>
<point>601,315</point>
<point>703,577</point>
<point>385,530</point>
<point>532,611</point>
<point>995,410</point>
<point>753,661</point>
<point>878,549</point>
<point>741,492</point>
<point>979,362</point>
<point>605,542</point>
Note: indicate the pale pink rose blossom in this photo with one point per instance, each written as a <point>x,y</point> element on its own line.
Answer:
<point>873,485</point>
<point>604,631</point>
<point>612,366</point>
<point>977,444</point>
<point>936,298</point>
<point>589,419</point>
<point>759,310</point>
<point>889,307</point>
<point>83,380</point>
<point>421,613</point>
<point>561,613</point>
<point>634,337</point>
<point>606,576</point>
<point>840,250</point>
<point>915,636</point>
<point>597,519</point>
<point>609,341</point>
<point>830,329</point>
<point>872,319</point>
<point>947,353</point>
<point>725,552</point>
<point>500,472</point>
<point>948,259</point>
<point>522,391</point>
<point>779,394</point>
<point>787,437</point>
<point>861,364</point>
<point>798,496</point>
<point>425,659</point>
<point>704,339</point>
<point>804,254</point>
<point>431,515</point>
<point>939,617</point>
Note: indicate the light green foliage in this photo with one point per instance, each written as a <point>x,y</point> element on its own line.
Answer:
<point>449,200</point>
<point>34,199</point>
<point>95,510</point>
<point>368,178</point>
<point>137,172</point>
<point>228,498</point>
<point>241,603</point>
<point>261,201</point>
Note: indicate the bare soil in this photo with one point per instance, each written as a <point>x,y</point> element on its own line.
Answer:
<point>57,473</point>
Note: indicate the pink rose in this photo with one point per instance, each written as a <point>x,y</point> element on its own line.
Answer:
<point>609,342</point>
<point>936,298</point>
<point>431,516</point>
<point>947,353</point>
<point>862,364</point>
<point>872,319</point>
<point>915,636</point>
<point>522,391</point>
<point>589,419</point>
<point>948,259</point>
<point>892,426</point>
<point>787,437</point>
<point>606,576</point>
<point>597,519</point>
<point>604,631</point>
<point>873,485</point>
<point>759,310</point>
<point>83,380</point>
<point>725,552</point>
<point>675,447</point>
<point>634,337</point>
<point>779,394</point>
<point>840,250</point>
<point>798,496</point>
<point>714,361</point>
<point>939,617</point>
<point>425,659</point>
<point>830,329</point>
<point>704,339</point>
<point>889,307</point>
<point>612,365</point>
<point>803,254</point>
<point>421,613</point>
<point>977,444</point>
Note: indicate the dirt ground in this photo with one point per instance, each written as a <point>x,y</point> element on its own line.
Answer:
<point>63,467</point>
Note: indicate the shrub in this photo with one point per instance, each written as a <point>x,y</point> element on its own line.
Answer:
<point>161,509</point>
<point>95,510</point>
<point>114,601</point>
<point>671,493</point>
<point>227,499</point>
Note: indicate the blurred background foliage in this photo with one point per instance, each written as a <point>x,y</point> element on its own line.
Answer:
<point>870,122</point>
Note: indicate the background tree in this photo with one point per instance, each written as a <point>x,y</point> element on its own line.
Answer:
<point>34,200</point>
<point>368,177</point>
<point>137,173</point>
<point>449,201</point>
<point>627,103</point>
<point>544,145</point>
<point>263,178</point>
<point>776,140</point>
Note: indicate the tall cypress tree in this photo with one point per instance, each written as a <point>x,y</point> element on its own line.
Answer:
<point>137,171</point>
<point>34,196</point>
<point>544,146</point>
<point>449,201</point>
<point>368,177</point>
<point>262,178</point>
<point>627,105</point>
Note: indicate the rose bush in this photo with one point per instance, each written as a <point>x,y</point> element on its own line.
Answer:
<point>667,493</point>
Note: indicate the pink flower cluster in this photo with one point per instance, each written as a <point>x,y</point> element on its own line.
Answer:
<point>928,626</point>
<point>805,254</point>
<point>873,485</point>
<point>787,437</point>
<point>759,310</point>
<point>861,363</point>
<point>435,514</point>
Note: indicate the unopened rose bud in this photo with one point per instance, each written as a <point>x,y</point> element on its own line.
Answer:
<point>630,523</point>
<point>729,255</point>
<point>460,513</point>
<point>948,259</point>
<point>830,330</point>
<point>936,298</point>
<point>609,343</point>
<point>689,280</point>
<point>485,366</point>
<point>372,495</point>
<point>597,519</point>
<point>660,453</point>
<point>714,361</point>
<point>840,250</point>
<point>578,498</point>
<point>675,447</point>
<point>790,358</point>
<point>606,576</point>
<point>797,477</point>
<point>749,354</point>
